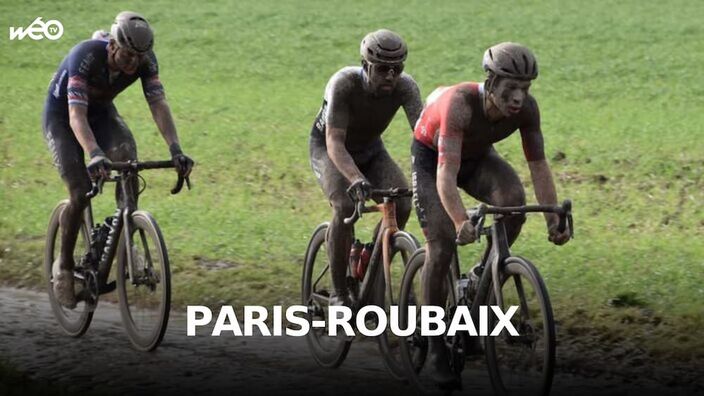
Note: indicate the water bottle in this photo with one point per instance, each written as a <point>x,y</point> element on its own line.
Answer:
<point>364,260</point>
<point>355,253</point>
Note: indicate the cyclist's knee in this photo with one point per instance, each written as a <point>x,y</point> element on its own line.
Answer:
<point>517,197</point>
<point>514,224</point>
<point>516,221</point>
<point>439,231</point>
<point>403,211</point>
<point>78,202</point>
<point>77,191</point>
<point>342,206</point>
<point>510,197</point>
<point>439,252</point>
<point>124,151</point>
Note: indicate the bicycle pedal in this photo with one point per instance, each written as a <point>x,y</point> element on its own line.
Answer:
<point>108,287</point>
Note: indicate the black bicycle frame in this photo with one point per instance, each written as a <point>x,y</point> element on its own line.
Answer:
<point>121,218</point>
<point>497,250</point>
<point>116,226</point>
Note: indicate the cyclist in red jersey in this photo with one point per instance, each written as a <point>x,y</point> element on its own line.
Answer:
<point>453,147</point>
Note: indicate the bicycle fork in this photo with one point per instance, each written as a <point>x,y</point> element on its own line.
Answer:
<point>389,220</point>
<point>496,253</point>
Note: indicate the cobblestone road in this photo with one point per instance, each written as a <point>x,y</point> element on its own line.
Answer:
<point>103,361</point>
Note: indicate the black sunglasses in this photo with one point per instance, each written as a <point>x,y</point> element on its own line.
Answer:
<point>384,69</point>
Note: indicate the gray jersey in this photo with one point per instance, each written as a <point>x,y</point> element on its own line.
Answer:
<point>365,116</point>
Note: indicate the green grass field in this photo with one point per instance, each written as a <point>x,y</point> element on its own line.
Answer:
<point>621,94</point>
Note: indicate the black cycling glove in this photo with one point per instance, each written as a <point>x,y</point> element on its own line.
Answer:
<point>99,164</point>
<point>182,162</point>
<point>360,190</point>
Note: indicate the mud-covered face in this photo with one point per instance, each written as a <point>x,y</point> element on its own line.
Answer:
<point>508,95</point>
<point>124,59</point>
<point>383,77</point>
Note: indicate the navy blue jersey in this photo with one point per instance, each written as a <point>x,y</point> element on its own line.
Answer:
<point>84,79</point>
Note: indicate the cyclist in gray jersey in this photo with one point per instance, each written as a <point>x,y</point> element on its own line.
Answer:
<point>347,154</point>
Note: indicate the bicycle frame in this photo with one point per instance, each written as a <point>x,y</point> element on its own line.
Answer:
<point>381,253</point>
<point>382,241</point>
<point>498,250</point>
<point>121,224</point>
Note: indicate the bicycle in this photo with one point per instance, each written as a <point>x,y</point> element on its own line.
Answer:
<point>517,365</point>
<point>143,280</point>
<point>373,286</point>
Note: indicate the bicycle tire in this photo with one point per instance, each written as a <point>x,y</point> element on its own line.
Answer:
<point>73,322</point>
<point>503,368</point>
<point>327,351</point>
<point>404,243</point>
<point>414,351</point>
<point>144,307</point>
<point>415,348</point>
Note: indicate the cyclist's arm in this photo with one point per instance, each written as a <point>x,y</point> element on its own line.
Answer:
<point>534,151</point>
<point>81,60</point>
<point>335,141</point>
<point>78,119</point>
<point>412,103</point>
<point>544,186</point>
<point>164,121</point>
<point>337,120</point>
<point>450,158</point>
<point>154,94</point>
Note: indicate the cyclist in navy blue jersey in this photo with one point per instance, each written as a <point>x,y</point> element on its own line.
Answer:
<point>80,118</point>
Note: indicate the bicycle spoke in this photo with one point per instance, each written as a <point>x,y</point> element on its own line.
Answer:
<point>147,255</point>
<point>320,299</point>
<point>322,274</point>
<point>521,298</point>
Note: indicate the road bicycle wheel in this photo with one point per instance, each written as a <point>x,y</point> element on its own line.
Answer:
<point>145,298</point>
<point>414,349</point>
<point>523,364</point>
<point>73,322</point>
<point>317,281</point>
<point>403,245</point>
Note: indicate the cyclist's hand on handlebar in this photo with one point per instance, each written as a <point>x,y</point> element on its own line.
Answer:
<point>466,233</point>
<point>182,162</point>
<point>99,165</point>
<point>360,190</point>
<point>554,235</point>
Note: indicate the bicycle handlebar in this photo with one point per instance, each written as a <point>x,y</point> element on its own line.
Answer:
<point>136,166</point>
<point>564,211</point>
<point>359,208</point>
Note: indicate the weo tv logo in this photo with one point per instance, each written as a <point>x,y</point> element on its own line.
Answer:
<point>37,30</point>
